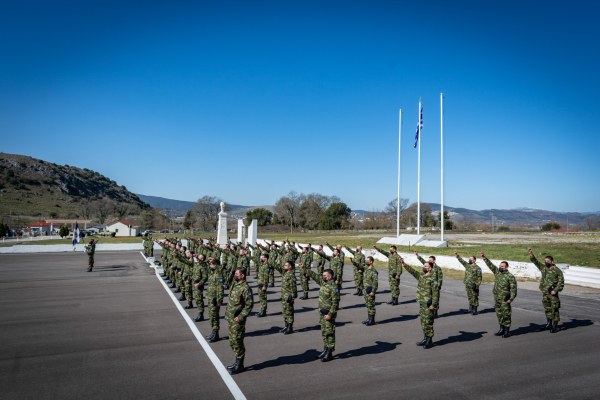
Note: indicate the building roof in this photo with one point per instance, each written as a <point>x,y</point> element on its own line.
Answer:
<point>38,224</point>
<point>121,221</point>
<point>66,220</point>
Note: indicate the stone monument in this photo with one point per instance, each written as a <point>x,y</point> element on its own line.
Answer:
<point>240,232</point>
<point>222,233</point>
<point>252,232</point>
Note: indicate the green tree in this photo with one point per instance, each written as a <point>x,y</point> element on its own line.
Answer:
<point>503,229</point>
<point>261,215</point>
<point>4,230</point>
<point>189,220</point>
<point>550,226</point>
<point>336,216</point>
<point>148,220</point>
<point>447,220</point>
<point>63,232</point>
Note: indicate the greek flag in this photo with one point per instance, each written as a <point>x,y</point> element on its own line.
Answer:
<point>419,126</point>
<point>76,234</point>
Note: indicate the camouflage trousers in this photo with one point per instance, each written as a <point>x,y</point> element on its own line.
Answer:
<point>503,311</point>
<point>320,269</point>
<point>552,306</point>
<point>199,294</point>
<point>180,283</point>
<point>213,316</point>
<point>472,295</point>
<point>304,283</point>
<point>328,332</point>
<point>394,286</point>
<point>370,303</point>
<point>237,332</point>
<point>188,291</point>
<point>426,316</point>
<point>90,262</point>
<point>262,297</point>
<point>288,311</point>
<point>358,279</point>
<point>272,276</point>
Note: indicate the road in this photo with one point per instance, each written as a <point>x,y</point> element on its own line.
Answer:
<point>115,333</point>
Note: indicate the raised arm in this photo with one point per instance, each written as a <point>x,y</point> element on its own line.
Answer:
<point>463,262</point>
<point>535,261</point>
<point>315,277</point>
<point>490,265</point>
<point>411,270</point>
<point>322,254</point>
<point>385,253</point>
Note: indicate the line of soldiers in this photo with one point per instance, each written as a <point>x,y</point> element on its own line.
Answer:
<point>227,268</point>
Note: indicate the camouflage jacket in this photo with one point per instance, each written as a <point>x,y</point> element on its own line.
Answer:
<point>329,294</point>
<point>90,250</point>
<point>243,261</point>
<point>333,248</point>
<point>187,266</point>
<point>472,273</point>
<point>336,264</point>
<point>437,272</point>
<point>427,288</point>
<point>358,258</point>
<point>319,259</point>
<point>288,283</point>
<point>306,259</point>
<point>200,272</point>
<point>264,269</point>
<point>505,283</point>
<point>215,284</point>
<point>287,257</point>
<point>394,264</point>
<point>370,278</point>
<point>240,296</point>
<point>551,277</point>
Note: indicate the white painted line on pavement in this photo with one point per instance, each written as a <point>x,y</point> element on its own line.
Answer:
<point>231,385</point>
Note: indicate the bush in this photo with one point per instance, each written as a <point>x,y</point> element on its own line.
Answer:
<point>503,229</point>
<point>63,232</point>
<point>550,226</point>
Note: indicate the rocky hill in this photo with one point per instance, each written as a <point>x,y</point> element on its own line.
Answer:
<point>29,186</point>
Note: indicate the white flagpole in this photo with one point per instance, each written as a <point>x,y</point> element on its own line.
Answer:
<point>442,141</point>
<point>419,175</point>
<point>399,146</point>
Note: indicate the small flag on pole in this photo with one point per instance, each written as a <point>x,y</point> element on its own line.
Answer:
<point>76,234</point>
<point>419,126</point>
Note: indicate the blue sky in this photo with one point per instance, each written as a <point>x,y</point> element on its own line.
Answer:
<point>249,100</point>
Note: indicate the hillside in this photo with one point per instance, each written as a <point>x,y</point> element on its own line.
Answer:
<point>170,204</point>
<point>29,186</point>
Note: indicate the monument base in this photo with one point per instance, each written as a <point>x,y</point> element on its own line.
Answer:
<point>413,240</point>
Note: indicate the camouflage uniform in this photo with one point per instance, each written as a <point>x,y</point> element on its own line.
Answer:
<point>438,275</point>
<point>186,275</point>
<point>240,296</point>
<point>358,263</point>
<point>329,299</point>
<point>200,276</point>
<point>370,280</point>
<point>215,293</point>
<point>90,250</point>
<point>264,269</point>
<point>427,290</point>
<point>505,285</point>
<point>472,277</point>
<point>289,287</point>
<point>552,280</point>
<point>305,259</point>
<point>320,260</point>
<point>394,267</point>
<point>336,264</point>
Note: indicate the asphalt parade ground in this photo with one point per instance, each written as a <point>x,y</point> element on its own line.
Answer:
<point>117,333</point>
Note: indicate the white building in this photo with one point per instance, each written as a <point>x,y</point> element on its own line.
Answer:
<point>123,228</point>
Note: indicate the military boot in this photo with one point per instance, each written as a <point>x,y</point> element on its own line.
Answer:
<point>210,335</point>
<point>554,328</point>
<point>199,318</point>
<point>214,338</point>
<point>304,297</point>
<point>428,343</point>
<point>395,303</point>
<point>547,326</point>
<point>290,329</point>
<point>474,311</point>
<point>391,301</point>
<point>422,342</point>
<point>328,356</point>
<point>239,366</point>
<point>173,286</point>
<point>371,320</point>
<point>284,328</point>
<point>367,320</point>
<point>233,365</point>
<point>506,333</point>
<point>500,332</point>
<point>357,292</point>
<point>360,292</point>
<point>469,310</point>
<point>189,305</point>
<point>322,354</point>
<point>262,313</point>
<point>177,290</point>
<point>272,285</point>
<point>435,314</point>
<point>182,298</point>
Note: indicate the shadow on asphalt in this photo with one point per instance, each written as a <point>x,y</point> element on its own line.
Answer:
<point>408,301</point>
<point>398,319</point>
<point>379,347</point>
<point>275,329</point>
<point>575,323</point>
<point>523,330</point>
<point>307,356</point>
<point>462,312</point>
<point>463,337</point>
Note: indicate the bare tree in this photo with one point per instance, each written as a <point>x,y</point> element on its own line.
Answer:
<point>103,209</point>
<point>85,208</point>
<point>592,222</point>
<point>376,219</point>
<point>411,213</point>
<point>392,209</point>
<point>287,208</point>
<point>312,208</point>
<point>207,211</point>
<point>121,210</point>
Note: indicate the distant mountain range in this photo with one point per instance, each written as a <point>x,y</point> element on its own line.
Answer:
<point>524,215</point>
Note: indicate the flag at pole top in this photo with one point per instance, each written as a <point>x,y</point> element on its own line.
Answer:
<point>419,126</point>
<point>76,234</point>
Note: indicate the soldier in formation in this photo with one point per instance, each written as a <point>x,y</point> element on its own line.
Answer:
<point>505,291</point>
<point>472,281</point>
<point>438,275</point>
<point>358,263</point>
<point>551,284</point>
<point>394,272</point>
<point>371,285</point>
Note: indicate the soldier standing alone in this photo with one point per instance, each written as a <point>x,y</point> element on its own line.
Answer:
<point>90,249</point>
<point>551,284</point>
<point>505,291</point>
<point>239,306</point>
